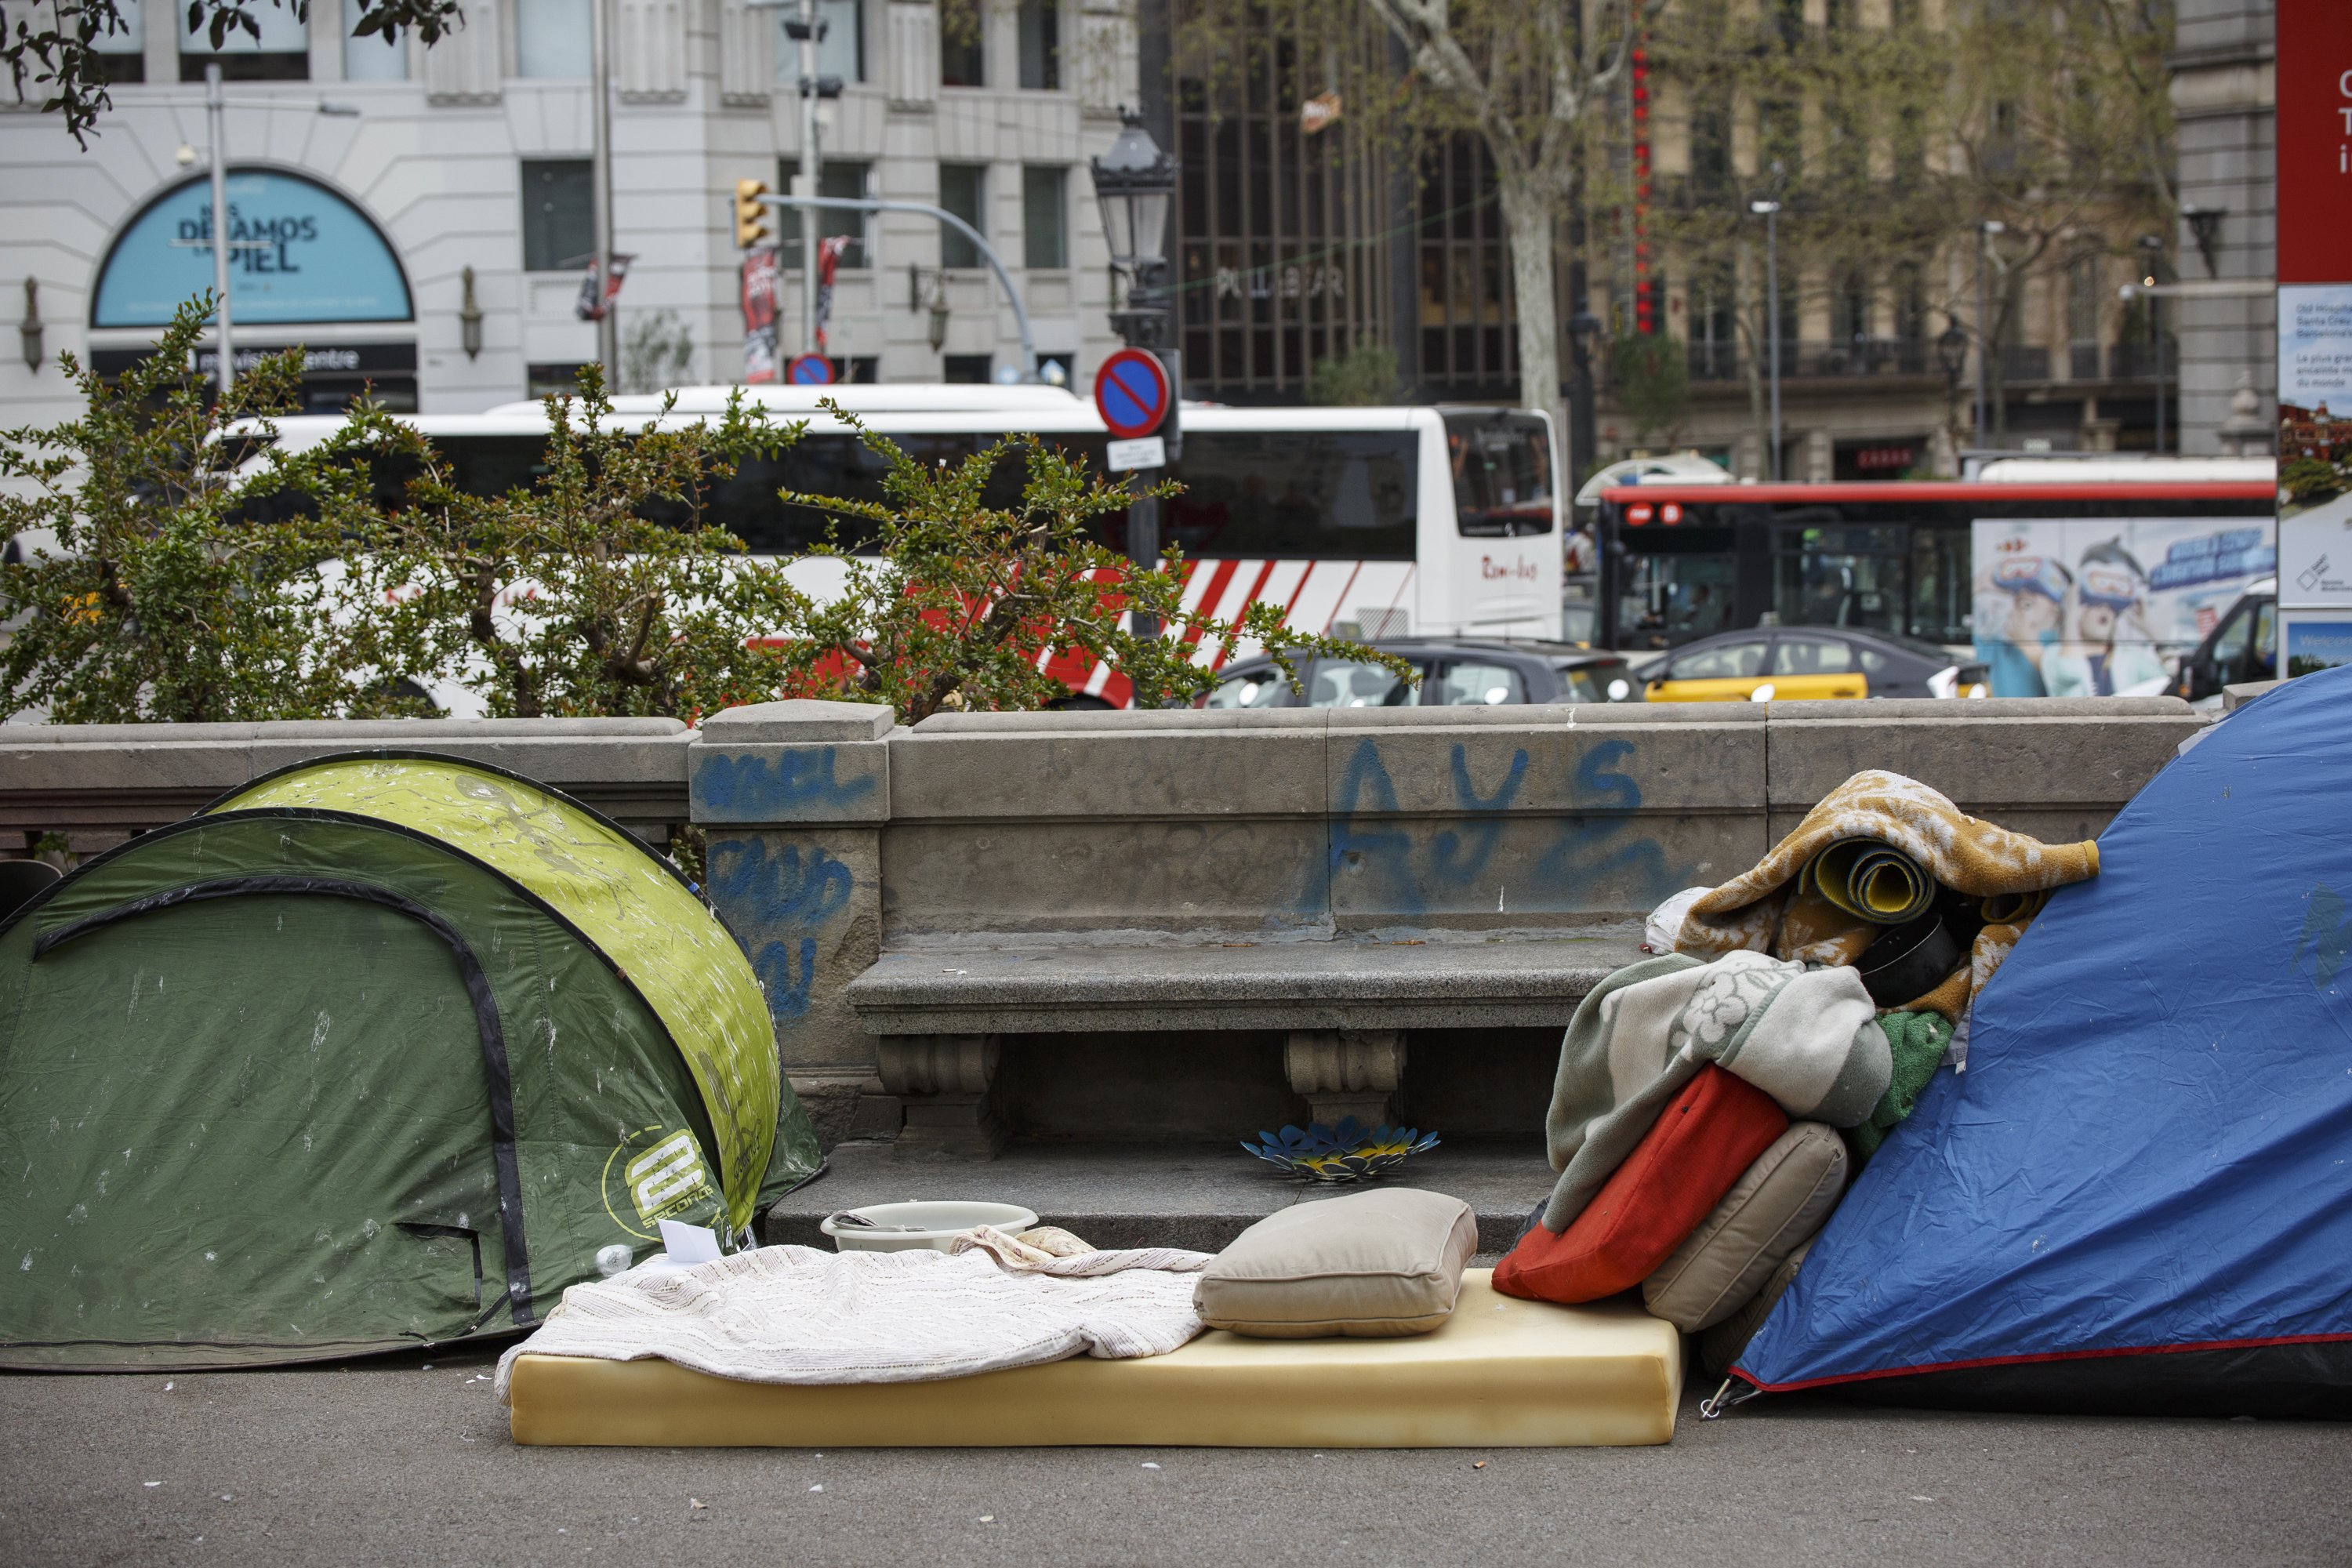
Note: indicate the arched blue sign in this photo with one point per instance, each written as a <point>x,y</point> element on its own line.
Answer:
<point>299,253</point>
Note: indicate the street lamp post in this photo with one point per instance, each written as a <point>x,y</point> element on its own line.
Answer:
<point>608,326</point>
<point>1985,231</point>
<point>1771,213</point>
<point>1135,183</point>
<point>216,105</point>
<point>2155,325</point>
<point>1952,353</point>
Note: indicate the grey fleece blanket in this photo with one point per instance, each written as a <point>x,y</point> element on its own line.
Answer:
<point>1808,1037</point>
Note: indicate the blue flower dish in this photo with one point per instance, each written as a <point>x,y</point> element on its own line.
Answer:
<point>1348,1153</point>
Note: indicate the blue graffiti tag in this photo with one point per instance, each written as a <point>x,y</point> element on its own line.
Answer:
<point>781,895</point>
<point>742,784</point>
<point>1398,873</point>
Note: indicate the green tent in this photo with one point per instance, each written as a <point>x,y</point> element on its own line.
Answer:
<point>378,1051</point>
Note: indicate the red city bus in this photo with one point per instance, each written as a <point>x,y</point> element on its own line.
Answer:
<point>2152,562</point>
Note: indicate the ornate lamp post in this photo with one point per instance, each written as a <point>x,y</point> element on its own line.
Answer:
<point>1135,183</point>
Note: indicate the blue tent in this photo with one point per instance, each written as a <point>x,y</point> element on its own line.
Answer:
<point>2138,1196</point>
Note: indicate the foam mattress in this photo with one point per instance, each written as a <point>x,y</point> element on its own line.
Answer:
<point>1502,1372</point>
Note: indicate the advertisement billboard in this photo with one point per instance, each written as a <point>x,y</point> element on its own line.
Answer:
<point>2101,606</point>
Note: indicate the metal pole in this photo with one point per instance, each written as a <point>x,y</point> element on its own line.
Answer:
<point>1772,321</point>
<point>608,339</point>
<point>808,176</point>
<point>2155,330</point>
<point>1984,344</point>
<point>216,122</point>
<point>987,253</point>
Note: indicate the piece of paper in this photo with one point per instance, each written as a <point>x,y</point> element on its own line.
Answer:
<point>688,1245</point>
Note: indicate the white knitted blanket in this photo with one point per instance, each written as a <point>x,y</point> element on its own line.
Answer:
<point>794,1314</point>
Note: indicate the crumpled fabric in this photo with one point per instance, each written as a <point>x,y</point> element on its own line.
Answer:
<point>1763,911</point>
<point>1807,1036</point>
<point>798,1315</point>
<point>1917,1042</point>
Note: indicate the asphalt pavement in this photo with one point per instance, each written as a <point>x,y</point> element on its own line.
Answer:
<point>406,1460</point>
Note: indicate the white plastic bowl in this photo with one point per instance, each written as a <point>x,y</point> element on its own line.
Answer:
<point>941,1221</point>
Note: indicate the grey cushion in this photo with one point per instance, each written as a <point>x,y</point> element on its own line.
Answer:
<point>1777,1204</point>
<point>1722,1345</point>
<point>1375,1263</point>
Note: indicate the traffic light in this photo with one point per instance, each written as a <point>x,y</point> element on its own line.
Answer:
<point>751,218</point>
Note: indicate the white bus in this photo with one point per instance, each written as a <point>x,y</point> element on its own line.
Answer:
<point>1362,522</point>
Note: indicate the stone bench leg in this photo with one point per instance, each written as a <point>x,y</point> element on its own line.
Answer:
<point>943,1081</point>
<point>1346,1072</point>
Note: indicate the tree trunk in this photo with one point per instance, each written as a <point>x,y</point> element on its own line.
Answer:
<point>1527,222</point>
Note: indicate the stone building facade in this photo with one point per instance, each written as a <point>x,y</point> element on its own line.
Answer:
<point>2223,99</point>
<point>461,185</point>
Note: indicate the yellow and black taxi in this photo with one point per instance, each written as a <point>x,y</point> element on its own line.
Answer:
<point>1792,663</point>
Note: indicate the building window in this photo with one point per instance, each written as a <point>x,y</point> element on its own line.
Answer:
<point>122,55</point>
<point>841,52</point>
<point>371,58</point>
<point>1468,341</point>
<point>553,38</point>
<point>559,213</point>
<point>964,53</point>
<point>1282,241</point>
<point>1044,227</point>
<point>281,53</point>
<point>843,180</point>
<point>964,189</point>
<point>552,379</point>
<point>970,369</point>
<point>1041,44</point>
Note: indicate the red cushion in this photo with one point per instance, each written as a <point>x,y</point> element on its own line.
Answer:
<point>1709,1133</point>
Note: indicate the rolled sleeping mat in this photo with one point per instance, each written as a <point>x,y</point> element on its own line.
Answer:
<point>1871,879</point>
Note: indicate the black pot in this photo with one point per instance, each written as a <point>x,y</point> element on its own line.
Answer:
<point>1909,961</point>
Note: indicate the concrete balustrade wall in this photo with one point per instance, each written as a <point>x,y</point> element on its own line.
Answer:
<point>833,837</point>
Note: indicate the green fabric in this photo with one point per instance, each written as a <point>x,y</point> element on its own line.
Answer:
<point>1918,1041</point>
<point>674,951</point>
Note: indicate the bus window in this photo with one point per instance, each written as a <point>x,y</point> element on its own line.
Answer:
<point>1942,601</point>
<point>1502,474</point>
<point>1839,577</point>
<point>747,504</point>
<point>1675,597</point>
<point>1311,495</point>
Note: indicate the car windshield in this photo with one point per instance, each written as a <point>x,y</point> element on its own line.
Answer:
<point>1260,687</point>
<point>1502,473</point>
<point>1590,682</point>
<point>1343,683</point>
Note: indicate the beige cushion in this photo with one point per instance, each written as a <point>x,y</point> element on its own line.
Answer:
<point>1722,1345</point>
<point>1374,1264</point>
<point>1777,1204</point>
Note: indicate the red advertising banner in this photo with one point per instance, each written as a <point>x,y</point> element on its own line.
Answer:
<point>2315,141</point>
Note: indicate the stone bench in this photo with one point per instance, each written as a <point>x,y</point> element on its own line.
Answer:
<point>1345,1006</point>
<point>925,904</point>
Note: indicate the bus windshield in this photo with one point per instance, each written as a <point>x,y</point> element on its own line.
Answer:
<point>1502,473</point>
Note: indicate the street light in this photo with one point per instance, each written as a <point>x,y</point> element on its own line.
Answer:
<point>1135,182</point>
<point>1769,211</point>
<point>216,105</point>
<point>1985,231</point>
<point>2153,246</point>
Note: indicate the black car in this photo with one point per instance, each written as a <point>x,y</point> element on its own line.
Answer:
<point>1455,672</point>
<point>1809,662</point>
